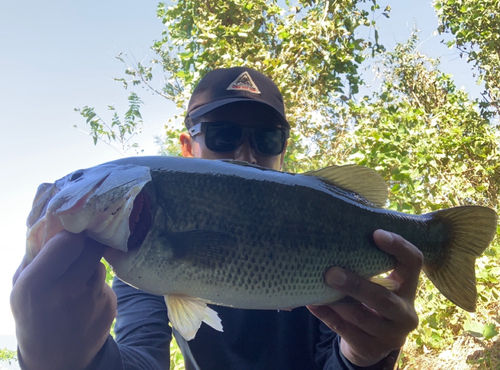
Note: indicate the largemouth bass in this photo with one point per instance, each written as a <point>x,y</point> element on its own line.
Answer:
<point>233,234</point>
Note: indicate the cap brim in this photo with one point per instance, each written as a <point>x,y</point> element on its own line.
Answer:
<point>198,112</point>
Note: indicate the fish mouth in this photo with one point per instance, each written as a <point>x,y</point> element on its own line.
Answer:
<point>140,221</point>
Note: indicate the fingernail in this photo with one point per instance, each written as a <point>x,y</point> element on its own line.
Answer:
<point>336,276</point>
<point>385,236</point>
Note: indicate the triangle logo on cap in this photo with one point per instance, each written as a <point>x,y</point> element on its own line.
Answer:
<point>244,83</point>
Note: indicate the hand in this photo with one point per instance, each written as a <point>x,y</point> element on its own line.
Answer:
<point>380,324</point>
<point>61,304</point>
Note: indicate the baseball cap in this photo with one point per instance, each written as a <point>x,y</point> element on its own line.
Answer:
<point>230,85</point>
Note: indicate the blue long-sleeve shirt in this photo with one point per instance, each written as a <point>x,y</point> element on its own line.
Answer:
<point>252,339</point>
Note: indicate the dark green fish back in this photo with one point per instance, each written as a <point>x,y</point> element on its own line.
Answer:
<point>284,236</point>
<point>273,235</point>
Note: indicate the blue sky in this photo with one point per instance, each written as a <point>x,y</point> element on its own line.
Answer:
<point>58,55</point>
<point>55,56</point>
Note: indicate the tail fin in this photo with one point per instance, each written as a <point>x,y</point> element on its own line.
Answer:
<point>472,230</point>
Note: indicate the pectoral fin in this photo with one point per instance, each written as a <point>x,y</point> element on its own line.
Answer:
<point>186,315</point>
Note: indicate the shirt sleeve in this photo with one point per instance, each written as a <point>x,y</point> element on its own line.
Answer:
<point>142,334</point>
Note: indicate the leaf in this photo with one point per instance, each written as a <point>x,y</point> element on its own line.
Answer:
<point>474,328</point>
<point>489,331</point>
<point>434,145</point>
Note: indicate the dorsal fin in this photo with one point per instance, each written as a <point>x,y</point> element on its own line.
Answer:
<point>362,180</point>
<point>245,164</point>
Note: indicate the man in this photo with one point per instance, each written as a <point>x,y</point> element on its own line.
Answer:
<point>64,309</point>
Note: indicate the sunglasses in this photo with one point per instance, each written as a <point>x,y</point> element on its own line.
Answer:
<point>228,136</point>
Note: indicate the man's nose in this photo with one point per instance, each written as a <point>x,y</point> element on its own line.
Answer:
<point>245,152</point>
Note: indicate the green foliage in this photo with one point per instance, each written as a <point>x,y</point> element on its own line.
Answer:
<point>109,272</point>
<point>120,131</point>
<point>311,42</point>
<point>425,136</point>
<point>169,144</point>
<point>435,147</point>
<point>176,358</point>
<point>475,24</point>
<point>310,49</point>
<point>436,150</point>
<point>109,280</point>
<point>7,355</point>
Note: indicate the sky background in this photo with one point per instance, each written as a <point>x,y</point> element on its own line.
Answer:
<point>59,55</point>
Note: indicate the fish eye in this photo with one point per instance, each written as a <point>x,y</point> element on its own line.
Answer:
<point>76,175</point>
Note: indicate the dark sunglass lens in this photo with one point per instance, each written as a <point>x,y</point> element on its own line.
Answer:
<point>270,141</point>
<point>223,137</point>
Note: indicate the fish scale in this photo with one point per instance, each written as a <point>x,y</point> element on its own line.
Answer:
<point>323,236</point>
<point>243,236</point>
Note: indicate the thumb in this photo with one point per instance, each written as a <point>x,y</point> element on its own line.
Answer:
<point>55,258</point>
<point>19,270</point>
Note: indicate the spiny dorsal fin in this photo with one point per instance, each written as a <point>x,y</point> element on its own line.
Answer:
<point>187,313</point>
<point>362,180</point>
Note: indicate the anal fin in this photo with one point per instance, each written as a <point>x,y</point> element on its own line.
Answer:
<point>389,284</point>
<point>186,315</point>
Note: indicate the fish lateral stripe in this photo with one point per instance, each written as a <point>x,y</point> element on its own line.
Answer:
<point>202,248</point>
<point>242,236</point>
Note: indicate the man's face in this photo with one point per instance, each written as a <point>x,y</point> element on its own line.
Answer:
<point>243,114</point>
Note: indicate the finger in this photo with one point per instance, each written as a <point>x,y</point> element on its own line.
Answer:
<point>364,318</point>
<point>350,332</point>
<point>333,320</point>
<point>113,255</point>
<point>359,346</point>
<point>84,267</point>
<point>404,251</point>
<point>20,269</point>
<point>409,261</point>
<point>55,258</point>
<point>373,295</point>
<point>98,278</point>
